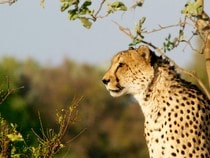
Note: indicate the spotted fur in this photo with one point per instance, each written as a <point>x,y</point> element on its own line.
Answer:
<point>177,113</point>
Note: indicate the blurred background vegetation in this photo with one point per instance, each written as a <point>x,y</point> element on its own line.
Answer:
<point>112,127</point>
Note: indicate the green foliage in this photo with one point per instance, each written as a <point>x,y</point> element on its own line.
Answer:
<point>116,6</point>
<point>169,44</point>
<point>9,140</point>
<point>79,11</point>
<point>138,31</point>
<point>102,122</point>
<point>49,142</point>
<point>194,8</point>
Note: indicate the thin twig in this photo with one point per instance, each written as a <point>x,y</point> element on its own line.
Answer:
<point>181,23</point>
<point>75,137</point>
<point>7,1</point>
<point>190,45</point>
<point>124,30</point>
<point>69,117</point>
<point>206,52</point>
<point>39,138</point>
<point>9,92</point>
<point>99,9</point>
<point>136,4</point>
<point>42,128</point>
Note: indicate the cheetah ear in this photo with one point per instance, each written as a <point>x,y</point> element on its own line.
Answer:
<point>145,52</point>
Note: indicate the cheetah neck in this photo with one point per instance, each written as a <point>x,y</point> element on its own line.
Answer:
<point>164,76</point>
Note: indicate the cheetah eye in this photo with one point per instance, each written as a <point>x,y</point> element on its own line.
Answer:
<point>121,64</point>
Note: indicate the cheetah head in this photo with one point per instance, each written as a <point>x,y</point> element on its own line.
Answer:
<point>130,72</point>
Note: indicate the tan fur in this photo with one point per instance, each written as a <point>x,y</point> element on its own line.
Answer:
<point>177,113</point>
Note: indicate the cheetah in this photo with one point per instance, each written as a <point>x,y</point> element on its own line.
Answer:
<point>176,112</point>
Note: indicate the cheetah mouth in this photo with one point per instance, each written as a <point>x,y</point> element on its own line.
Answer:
<point>118,90</point>
<point>115,91</point>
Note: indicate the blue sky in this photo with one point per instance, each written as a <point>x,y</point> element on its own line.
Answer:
<point>27,30</point>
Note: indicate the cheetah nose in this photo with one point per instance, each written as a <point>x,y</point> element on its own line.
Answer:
<point>105,81</point>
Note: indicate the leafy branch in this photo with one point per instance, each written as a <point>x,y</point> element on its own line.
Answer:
<point>5,92</point>
<point>140,39</point>
<point>81,10</point>
<point>50,141</point>
<point>9,136</point>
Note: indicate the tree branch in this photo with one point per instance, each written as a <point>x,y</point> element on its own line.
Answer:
<point>7,1</point>
<point>8,93</point>
<point>179,24</point>
<point>207,56</point>
<point>99,9</point>
<point>124,30</point>
<point>203,28</point>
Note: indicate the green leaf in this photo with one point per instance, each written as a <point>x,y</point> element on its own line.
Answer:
<point>42,3</point>
<point>116,6</point>
<point>135,41</point>
<point>181,32</point>
<point>65,6</point>
<point>193,8</point>
<point>142,20</point>
<point>15,137</point>
<point>86,4</point>
<point>84,11</point>
<point>139,27</point>
<point>140,3</point>
<point>85,22</point>
<point>84,8</point>
<point>73,15</point>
